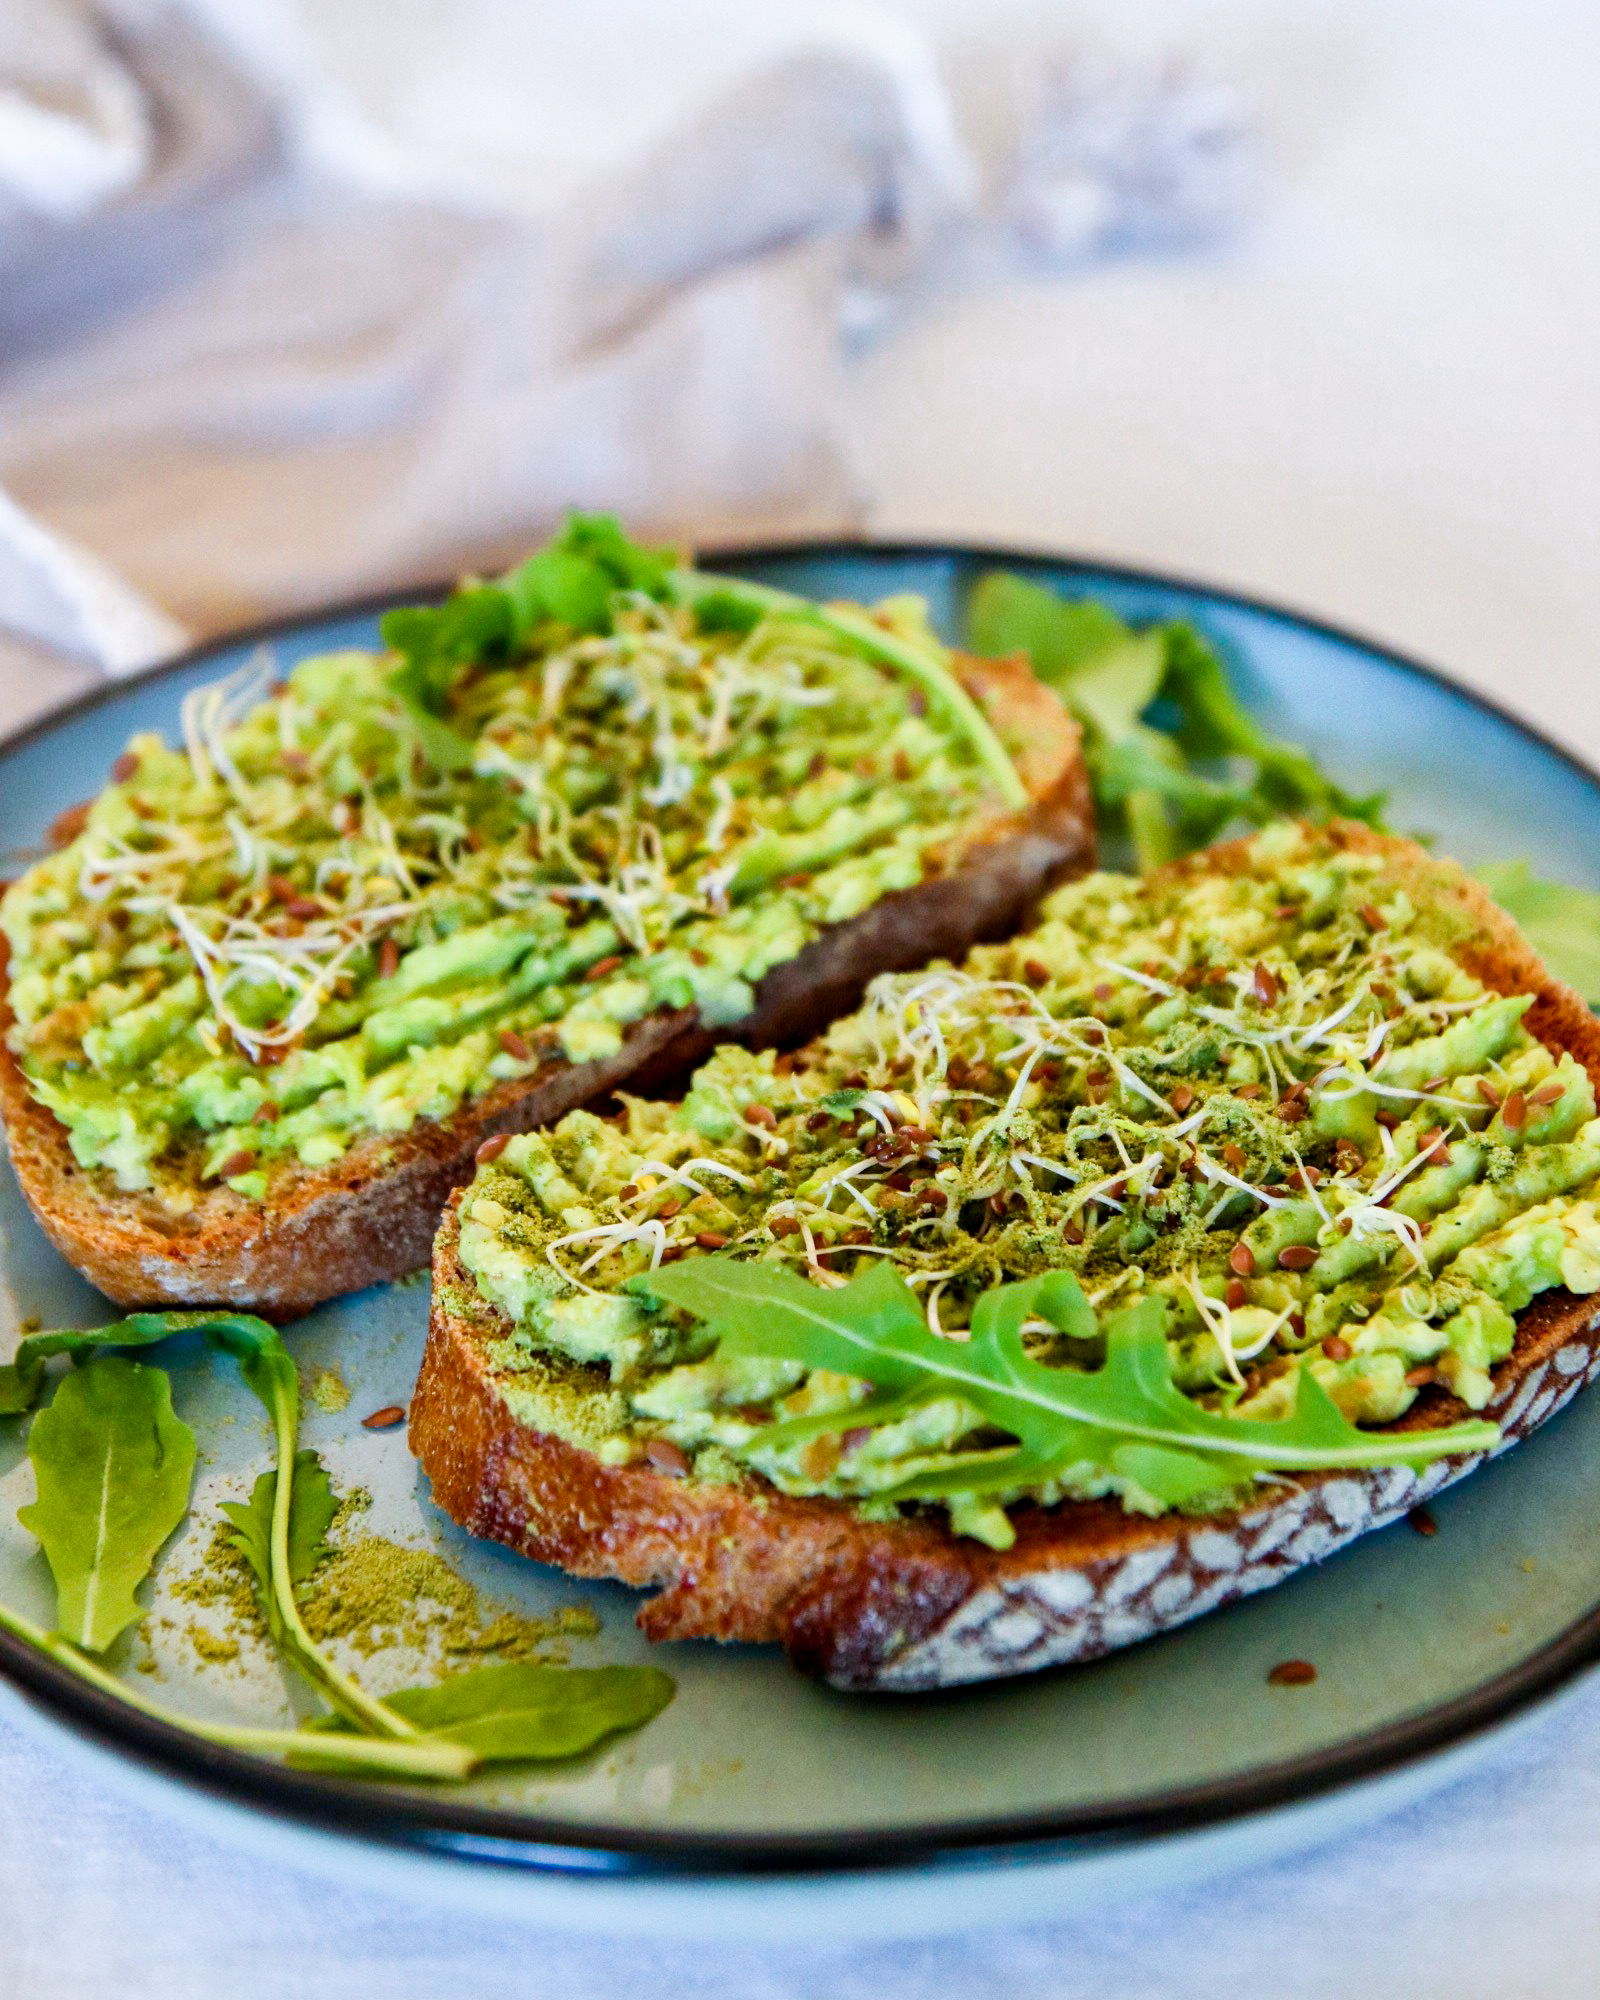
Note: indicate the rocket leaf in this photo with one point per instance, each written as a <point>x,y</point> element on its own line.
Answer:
<point>114,1465</point>
<point>312,1506</point>
<point>1126,1416</point>
<point>520,1711</point>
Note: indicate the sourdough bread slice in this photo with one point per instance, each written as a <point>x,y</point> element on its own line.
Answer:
<point>905,1604</point>
<point>371,1215</point>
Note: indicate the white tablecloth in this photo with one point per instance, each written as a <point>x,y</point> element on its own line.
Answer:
<point>1379,403</point>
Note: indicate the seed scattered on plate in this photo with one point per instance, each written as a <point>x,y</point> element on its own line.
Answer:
<point>1292,1674</point>
<point>1421,1522</point>
<point>386,1418</point>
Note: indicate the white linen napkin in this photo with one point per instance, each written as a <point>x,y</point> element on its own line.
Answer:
<point>299,301</point>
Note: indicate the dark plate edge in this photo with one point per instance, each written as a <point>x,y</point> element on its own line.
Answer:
<point>424,1824</point>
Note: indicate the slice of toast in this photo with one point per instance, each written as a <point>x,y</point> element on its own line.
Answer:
<point>371,1215</point>
<point>906,1604</point>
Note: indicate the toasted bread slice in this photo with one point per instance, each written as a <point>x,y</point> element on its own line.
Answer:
<point>371,1216</point>
<point>906,1604</point>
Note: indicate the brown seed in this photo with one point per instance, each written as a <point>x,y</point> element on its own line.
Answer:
<point>1297,1257</point>
<point>281,889</point>
<point>1337,1348</point>
<point>266,1114</point>
<point>818,1120</point>
<point>1292,1110</point>
<point>1436,1083</point>
<point>669,1208</point>
<point>1182,1098</point>
<point>856,1435</point>
<point>1547,1093</point>
<point>388,959</point>
<point>1372,917</point>
<point>1388,1118</point>
<point>1072,1231</point>
<point>761,1114</point>
<point>1418,1378</point>
<point>800,881</point>
<point>604,967</point>
<point>784,1225</point>
<point>1036,972</point>
<point>1514,1112</point>
<point>386,1418</point>
<point>1242,1258</point>
<point>672,1253</point>
<point>236,1163</point>
<point>1235,1295</point>
<point>1104,990</point>
<point>933,1197</point>
<point>1297,1325</point>
<point>305,908</point>
<point>667,1457</point>
<point>1247,1090</point>
<point>1263,987</point>
<point>1421,1522</point>
<point>1305,1176</point>
<point>1292,1674</point>
<point>710,1239</point>
<point>1488,1093</point>
<point>492,1147</point>
<point>1234,1155</point>
<point>515,1046</point>
<point>125,766</point>
<point>1286,910</point>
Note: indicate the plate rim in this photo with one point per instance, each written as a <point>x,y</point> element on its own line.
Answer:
<point>507,1837</point>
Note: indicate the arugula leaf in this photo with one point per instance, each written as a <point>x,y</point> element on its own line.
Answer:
<point>1126,1416</point>
<point>312,1506</point>
<point>1560,922</point>
<point>521,1711</point>
<point>1155,704</point>
<point>114,1464</point>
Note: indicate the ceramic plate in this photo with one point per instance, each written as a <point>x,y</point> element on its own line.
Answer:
<point>1079,1775</point>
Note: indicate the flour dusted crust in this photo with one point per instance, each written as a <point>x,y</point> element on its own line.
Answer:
<point>371,1215</point>
<point>906,1605</point>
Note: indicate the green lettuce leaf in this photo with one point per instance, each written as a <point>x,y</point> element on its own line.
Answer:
<point>1174,756</point>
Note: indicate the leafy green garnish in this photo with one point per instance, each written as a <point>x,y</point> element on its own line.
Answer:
<point>1560,922</point>
<point>312,1506</point>
<point>572,581</point>
<point>113,1464</point>
<point>1126,1418</point>
<point>1155,705</point>
<point>522,1711</point>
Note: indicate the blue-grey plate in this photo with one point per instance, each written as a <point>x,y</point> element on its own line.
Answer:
<point>757,1790</point>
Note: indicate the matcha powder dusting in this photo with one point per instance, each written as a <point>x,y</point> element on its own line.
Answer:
<point>374,1594</point>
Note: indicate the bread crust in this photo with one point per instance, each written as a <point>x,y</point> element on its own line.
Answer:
<point>371,1216</point>
<point>906,1604</point>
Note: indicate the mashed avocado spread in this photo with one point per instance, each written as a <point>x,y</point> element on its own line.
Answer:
<point>1267,1095</point>
<point>396,880</point>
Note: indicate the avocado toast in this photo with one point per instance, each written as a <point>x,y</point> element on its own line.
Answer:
<point>1051,1299</point>
<point>567,830</point>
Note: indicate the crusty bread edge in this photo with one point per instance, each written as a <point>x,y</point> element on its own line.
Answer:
<point>371,1216</point>
<point>905,1605</point>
